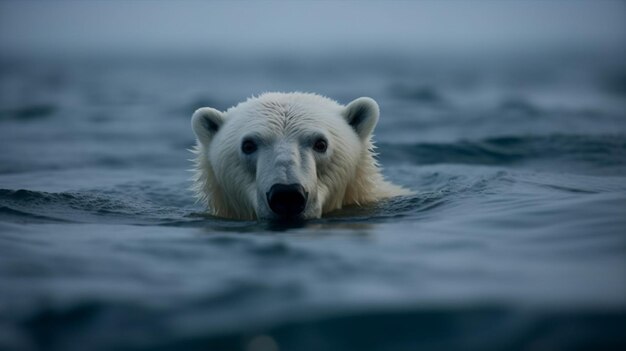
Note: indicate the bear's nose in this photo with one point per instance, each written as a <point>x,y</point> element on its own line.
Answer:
<point>287,200</point>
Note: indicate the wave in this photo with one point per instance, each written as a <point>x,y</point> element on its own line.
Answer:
<point>28,112</point>
<point>442,328</point>
<point>601,150</point>
<point>87,206</point>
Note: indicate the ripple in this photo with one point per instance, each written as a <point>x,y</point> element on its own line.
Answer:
<point>602,150</point>
<point>84,206</point>
<point>28,113</point>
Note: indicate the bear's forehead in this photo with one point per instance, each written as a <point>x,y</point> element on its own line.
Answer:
<point>286,113</point>
<point>286,105</point>
<point>291,107</point>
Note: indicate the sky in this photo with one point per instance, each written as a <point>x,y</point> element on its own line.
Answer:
<point>101,27</point>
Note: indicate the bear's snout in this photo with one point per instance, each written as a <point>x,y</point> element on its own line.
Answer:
<point>287,200</point>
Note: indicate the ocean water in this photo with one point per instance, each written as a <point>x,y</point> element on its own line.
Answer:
<point>515,238</point>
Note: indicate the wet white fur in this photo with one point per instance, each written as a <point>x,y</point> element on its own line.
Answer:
<point>285,127</point>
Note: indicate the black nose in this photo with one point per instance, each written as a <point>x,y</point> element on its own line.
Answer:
<point>287,200</point>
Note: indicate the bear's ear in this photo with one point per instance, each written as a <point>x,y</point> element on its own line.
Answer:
<point>205,122</point>
<point>362,115</point>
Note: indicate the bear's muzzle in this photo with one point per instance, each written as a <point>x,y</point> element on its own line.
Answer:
<point>287,200</point>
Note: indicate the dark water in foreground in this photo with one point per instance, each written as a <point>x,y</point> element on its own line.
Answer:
<point>515,239</point>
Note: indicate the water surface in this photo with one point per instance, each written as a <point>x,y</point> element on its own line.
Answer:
<point>514,239</point>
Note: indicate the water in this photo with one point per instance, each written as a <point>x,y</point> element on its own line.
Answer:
<point>515,238</point>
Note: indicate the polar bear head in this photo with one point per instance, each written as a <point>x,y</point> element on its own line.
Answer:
<point>287,156</point>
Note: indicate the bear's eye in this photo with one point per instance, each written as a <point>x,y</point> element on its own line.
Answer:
<point>248,147</point>
<point>320,145</point>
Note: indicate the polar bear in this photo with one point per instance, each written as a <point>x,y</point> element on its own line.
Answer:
<point>287,156</point>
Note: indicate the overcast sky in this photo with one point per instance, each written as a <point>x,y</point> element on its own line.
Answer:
<point>169,26</point>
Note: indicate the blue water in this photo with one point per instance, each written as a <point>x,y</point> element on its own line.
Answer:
<point>515,238</point>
